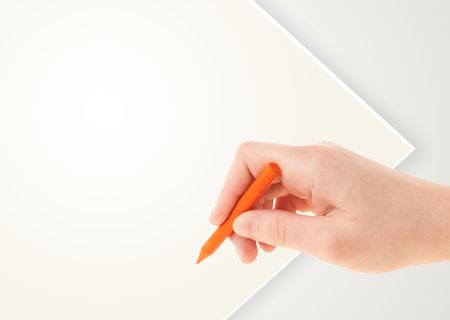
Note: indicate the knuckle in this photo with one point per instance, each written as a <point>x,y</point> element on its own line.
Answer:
<point>327,144</point>
<point>244,147</point>
<point>320,158</point>
<point>278,233</point>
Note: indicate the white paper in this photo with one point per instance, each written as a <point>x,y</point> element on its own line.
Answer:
<point>118,123</point>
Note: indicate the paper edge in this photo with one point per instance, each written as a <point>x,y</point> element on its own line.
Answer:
<point>410,146</point>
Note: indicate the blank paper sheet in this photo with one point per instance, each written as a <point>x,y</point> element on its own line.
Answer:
<point>118,123</point>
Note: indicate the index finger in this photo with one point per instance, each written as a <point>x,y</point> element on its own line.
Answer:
<point>250,159</point>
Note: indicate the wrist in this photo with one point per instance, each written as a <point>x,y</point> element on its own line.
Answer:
<point>439,217</point>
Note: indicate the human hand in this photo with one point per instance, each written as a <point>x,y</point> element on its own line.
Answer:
<point>367,217</point>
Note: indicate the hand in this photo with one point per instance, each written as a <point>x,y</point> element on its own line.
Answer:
<point>367,217</point>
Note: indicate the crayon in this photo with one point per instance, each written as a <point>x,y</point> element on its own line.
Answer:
<point>262,182</point>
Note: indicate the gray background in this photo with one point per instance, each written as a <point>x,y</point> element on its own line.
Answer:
<point>396,56</point>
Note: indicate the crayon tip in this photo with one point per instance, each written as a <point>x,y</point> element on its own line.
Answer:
<point>202,256</point>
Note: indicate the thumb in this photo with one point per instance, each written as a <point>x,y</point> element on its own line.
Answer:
<point>282,228</point>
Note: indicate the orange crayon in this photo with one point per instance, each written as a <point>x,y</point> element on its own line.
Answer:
<point>245,203</point>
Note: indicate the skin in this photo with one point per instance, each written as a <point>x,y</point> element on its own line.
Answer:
<point>367,217</point>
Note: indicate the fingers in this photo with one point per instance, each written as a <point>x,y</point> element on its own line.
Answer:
<point>268,204</point>
<point>276,190</point>
<point>292,204</point>
<point>250,160</point>
<point>282,228</point>
<point>285,204</point>
<point>266,247</point>
<point>245,248</point>
<point>300,167</point>
<point>232,190</point>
